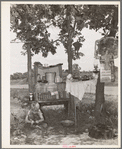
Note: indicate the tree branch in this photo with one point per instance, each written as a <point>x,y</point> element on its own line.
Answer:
<point>56,40</point>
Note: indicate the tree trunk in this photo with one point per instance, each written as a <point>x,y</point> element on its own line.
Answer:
<point>69,59</point>
<point>99,102</point>
<point>69,51</point>
<point>29,69</point>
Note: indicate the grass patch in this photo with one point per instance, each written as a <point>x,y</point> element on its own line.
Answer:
<point>19,93</point>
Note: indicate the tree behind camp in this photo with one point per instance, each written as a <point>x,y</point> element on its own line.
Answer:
<point>71,19</point>
<point>27,21</point>
<point>30,23</point>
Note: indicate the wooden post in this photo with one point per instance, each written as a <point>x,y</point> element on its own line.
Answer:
<point>29,69</point>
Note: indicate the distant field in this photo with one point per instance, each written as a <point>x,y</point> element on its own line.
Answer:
<point>18,82</point>
<point>24,82</point>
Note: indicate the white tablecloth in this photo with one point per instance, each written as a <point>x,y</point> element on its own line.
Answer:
<point>78,89</point>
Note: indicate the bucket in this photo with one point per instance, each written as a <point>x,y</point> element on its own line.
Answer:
<point>50,77</point>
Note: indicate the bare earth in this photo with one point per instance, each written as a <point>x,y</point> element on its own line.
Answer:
<point>55,131</point>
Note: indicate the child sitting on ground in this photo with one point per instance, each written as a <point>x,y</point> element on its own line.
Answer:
<point>35,117</point>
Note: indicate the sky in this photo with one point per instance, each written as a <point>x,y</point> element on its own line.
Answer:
<point>18,62</point>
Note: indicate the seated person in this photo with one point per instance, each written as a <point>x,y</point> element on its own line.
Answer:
<point>35,116</point>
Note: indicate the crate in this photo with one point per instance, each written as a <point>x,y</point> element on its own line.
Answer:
<point>47,96</point>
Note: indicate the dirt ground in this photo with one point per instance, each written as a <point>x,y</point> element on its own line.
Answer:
<point>55,133</point>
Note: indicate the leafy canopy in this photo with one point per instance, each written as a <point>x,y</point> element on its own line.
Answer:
<point>28,22</point>
<point>31,23</point>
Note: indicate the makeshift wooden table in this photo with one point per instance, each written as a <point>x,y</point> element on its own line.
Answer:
<point>77,90</point>
<point>45,98</point>
<point>39,70</point>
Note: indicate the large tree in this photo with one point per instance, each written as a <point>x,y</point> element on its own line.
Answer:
<point>103,17</point>
<point>71,19</point>
<point>28,22</point>
<point>31,22</point>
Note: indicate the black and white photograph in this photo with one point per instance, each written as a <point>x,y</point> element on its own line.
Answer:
<point>61,74</point>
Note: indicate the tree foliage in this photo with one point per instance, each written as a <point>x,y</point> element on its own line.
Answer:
<point>31,23</point>
<point>27,21</point>
<point>66,18</point>
<point>102,17</point>
<point>19,75</point>
<point>71,19</point>
<point>110,44</point>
